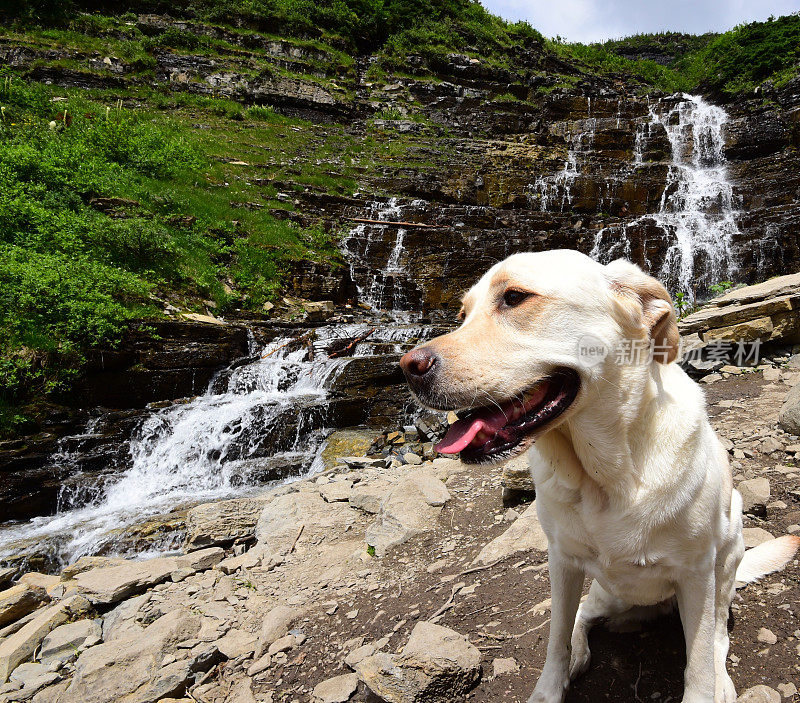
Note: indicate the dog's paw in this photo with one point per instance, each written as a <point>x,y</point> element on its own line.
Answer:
<point>725,690</point>
<point>579,661</point>
<point>549,691</point>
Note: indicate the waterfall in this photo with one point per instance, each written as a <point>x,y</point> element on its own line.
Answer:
<point>262,421</point>
<point>696,215</point>
<point>548,191</point>
<point>389,287</point>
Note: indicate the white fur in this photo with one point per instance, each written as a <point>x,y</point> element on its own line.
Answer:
<point>633,487</point>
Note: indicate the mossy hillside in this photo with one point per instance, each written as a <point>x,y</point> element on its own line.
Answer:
<point>110,212</point>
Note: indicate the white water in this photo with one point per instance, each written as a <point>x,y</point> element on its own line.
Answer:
<point>215,446</point>
<point>696,213</point>
<point>205,449</point>
<point>386,287</point>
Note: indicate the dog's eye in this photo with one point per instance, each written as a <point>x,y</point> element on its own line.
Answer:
<point>512,297</point>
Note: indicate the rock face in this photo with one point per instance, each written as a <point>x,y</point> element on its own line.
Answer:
<point>767,311</point>
<point>436,665</point>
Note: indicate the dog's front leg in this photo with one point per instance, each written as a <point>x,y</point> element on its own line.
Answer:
<point>566,584</point>
<point>696,603</point>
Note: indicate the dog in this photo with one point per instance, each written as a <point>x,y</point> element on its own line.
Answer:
<point>633,487</point>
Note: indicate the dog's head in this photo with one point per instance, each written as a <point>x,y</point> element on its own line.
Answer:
<point>540,334</point>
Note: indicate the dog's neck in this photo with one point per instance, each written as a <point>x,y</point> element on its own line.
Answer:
<point>628,404</point>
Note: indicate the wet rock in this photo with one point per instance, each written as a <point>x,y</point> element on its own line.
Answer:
<point>525,534</point>
<point>347,442</point>
<point>130,669</point>
<point>336,690</point>
<point>759,694</point>
<point>20,646</point>
<point>19,600</point>
<point>410,508</point>
<point>223,522</point>
<point>6,575</point>
<point>436,665</point>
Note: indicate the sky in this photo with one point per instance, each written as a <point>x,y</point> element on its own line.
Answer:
<point>598,20</point>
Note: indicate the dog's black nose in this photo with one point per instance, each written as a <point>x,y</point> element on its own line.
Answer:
<point>418,362</point>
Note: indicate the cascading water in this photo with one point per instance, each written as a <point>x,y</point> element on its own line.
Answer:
<point>268,421</point>
<point>696,213</point>
<point>211,447</point>
<point>548,192</point>
<point>389,287</point>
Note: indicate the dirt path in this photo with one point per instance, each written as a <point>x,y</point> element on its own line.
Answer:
<point>503,609</point>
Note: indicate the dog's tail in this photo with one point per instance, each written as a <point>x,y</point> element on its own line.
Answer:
<point>767,557</point>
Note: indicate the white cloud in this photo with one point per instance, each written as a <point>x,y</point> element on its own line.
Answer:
<point>597,20</point>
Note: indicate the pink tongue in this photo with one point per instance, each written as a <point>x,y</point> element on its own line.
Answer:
<point>462,432</point>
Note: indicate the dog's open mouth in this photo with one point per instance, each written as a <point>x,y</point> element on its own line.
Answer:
<point>487,433</point>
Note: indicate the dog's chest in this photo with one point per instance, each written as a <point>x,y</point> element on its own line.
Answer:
<point>629,560</point>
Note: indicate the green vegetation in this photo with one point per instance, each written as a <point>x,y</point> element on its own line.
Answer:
<point>105,211</point>
<point>733,62</point>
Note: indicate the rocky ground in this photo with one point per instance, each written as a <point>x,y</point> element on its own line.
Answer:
<point>424,577</point>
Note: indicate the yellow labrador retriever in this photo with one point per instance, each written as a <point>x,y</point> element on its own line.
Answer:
<point>633,486</point>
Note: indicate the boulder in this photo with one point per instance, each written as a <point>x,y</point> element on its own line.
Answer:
<point>282,518</point>
<point>33,677</point>
<point>129,669</point>
<point>525,534</point>
<point>760,694</point>
<point>755,493</point>
<point>517,475</point>
<point>410,508</point>
<point>767,311</point>
<point>789,416</point>
<point>753,536</point>
<point>336,690</point>
<point>369,496</point>
<point>63,643</point>
<point>19,600</point>
<point>221,523</point>
<point>436,665</point>
<point>336,491</point>
<point>235,643</point>
<point>20,646</point>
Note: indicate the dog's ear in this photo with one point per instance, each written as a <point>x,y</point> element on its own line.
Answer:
<point>646,302</point>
